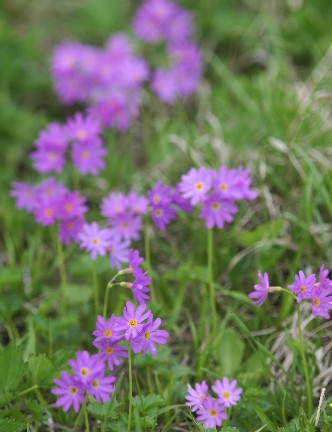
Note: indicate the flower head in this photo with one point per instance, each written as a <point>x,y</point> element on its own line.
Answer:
<point>106,330</point>
<point>261,290</point>
<point>101,386</point>
<point>196,184</point>
<point>321,301</point>
<point>110,353</point>
<point>94,240</point>
<point>197,395</point>
<point>86,367</point>
<point>217,211</point>
<point>149,336</point>
<point>132,321</point>
<point>69,230</point>
<point>211,413</point>
<point>69,392</point>
<point>303,285</point>
<point>228,393</point>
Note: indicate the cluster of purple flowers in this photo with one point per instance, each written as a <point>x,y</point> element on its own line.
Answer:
<point>109,80</point>
<point>88,376</point>
<point>49,201</point>
<point>164,21</point>
<point>211,411</point>
<point>81,136</point>
<point>164,204</point>
<point>318,292</point>
<point>217,191</point>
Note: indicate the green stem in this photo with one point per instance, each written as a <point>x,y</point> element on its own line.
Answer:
<point>148,254</point>
<point>130,388</point>
<point>28,390</point>
<point>63,277</point>
<point>305,364</point>
<point>211,281</point>
<point>106,301</point>
<point>95,287</point>
<point>86,419</point>
<point>78,418</point>
<point>42,400</point>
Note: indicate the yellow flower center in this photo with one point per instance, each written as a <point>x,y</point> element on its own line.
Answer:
<point>125,225</point>
<point>226,395</point>
<point>316,301</point>
<point>158,212</point>
<point>107,333</point>
<point>213,412</point>
<point>68,207</point>
<point>202,396</point>
<point>132,323</point>
<point>49,191</point>
<point>199,186</point>
<point>156,199</point>
<point>215,206</point>
<point>223,187</point>
<point>109,350</point>
<point>81,134</point>
<point>72,390</point>
<point>95,383</point>
<point>52,156</point>
<point>48,212</point>
<point>84,371</point>
<point>147,335</point>
<point>95,240</point>
<point>303,288</point>
<point>70,226</point>
<point>85,154</point>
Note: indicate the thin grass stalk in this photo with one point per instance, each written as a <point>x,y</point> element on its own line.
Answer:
<point>95,287</point>
<point>130,388</point>
<point>63,276</point>
<point>148,254</point>
<point>211,281</point>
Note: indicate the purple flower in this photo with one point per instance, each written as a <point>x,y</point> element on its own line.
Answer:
<point>50,188</point>
<point>114,204</point>
<point>162,215</point>
<point>134,261</point>
<point>160,195</point>
<point>136,203</point>
<point>196,396</point>
<point>196,184</point>
<point>88,157</point>
<point>71,205</point>
<point>164,85</point>
<point>118,250</point>
<point>69,230</point>
<point>321,301</point>
<point>81,129</point>
<point>140,287</point>
<point>69,392</point>
<point>228,393</point>
<point>86,367</point>
<point>47,159</point>
<point>25,196</point>
<point>110,353</point>
<point>149,336</point>
<point>46,212</point>
<point>179,201</point>
<point>324,281</point>
<point>261,290</point>
<point>94,240</point>
<point>101,387</point>
<point>127,225</point>
<point>132,321</point>
<point>217,211</point>
<point>55,136</point>
<point>106,331</point>
<point>303,285</point>
<point>211,413</point>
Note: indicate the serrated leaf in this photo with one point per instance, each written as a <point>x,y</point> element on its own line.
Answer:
<point>35,409</point>
<point>41,370</point>
<point>290,428</point>
<point>231,429</point>
<point>230,352</point>
<point>148,404</point>
<point>11,367</point>
<point>11,425</point>
<point>6,397</point>
<point>103,411</point>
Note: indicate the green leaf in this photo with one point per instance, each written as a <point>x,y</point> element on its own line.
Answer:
<point>41,370</point>
<point>11,425</point>
<point>148,404</point>
<point>231,349</point>
<point>106,410</point>
<point>11,367</point>
<point>266,231</point>
<point>6,397</point>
